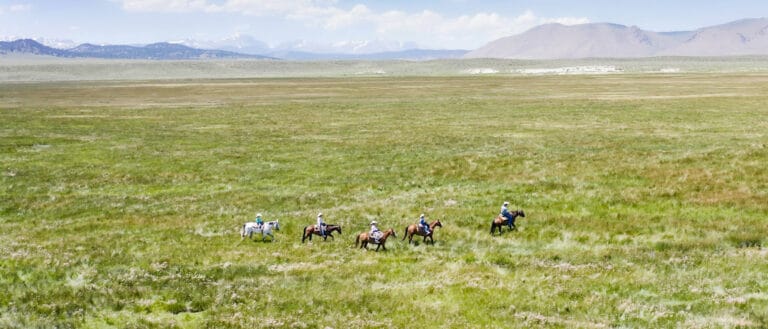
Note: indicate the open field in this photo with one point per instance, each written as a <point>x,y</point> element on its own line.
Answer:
<point>646,199</point>
<point>15,68</point>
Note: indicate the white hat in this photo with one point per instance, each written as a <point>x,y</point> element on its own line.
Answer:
<point>374,222</point>
<point>506,203</point>
<point>258,215</point>
<point>422,215</point>
<point>320,215</point>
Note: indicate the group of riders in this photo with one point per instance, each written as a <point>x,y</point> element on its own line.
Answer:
<point>376,233</point>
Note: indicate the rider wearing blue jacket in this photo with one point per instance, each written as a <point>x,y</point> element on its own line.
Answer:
<point>259,222</point>
<point>505,213</point>
<point>423,223</point>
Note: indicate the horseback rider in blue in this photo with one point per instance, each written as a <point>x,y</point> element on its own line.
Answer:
<point>505,213</point>
<point>424,225</point>
<point>321,224</point>
<point>259,222</point>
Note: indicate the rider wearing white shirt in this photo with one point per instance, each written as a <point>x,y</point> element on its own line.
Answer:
<point>375,232</point>
<point>321,224</point>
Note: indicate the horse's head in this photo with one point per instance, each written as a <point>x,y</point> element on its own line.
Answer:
<point>438,224</point>
<point>391,231</point>
<point>521,213</point>
<point>274,224</point>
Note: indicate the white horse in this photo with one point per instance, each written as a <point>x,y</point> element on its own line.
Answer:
<point>251,227</point>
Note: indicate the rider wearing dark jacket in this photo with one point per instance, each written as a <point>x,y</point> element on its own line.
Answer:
<point>424,224</point>
<point>506,214</point>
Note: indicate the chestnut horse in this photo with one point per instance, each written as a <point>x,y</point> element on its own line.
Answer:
<point>414,229</point>
<point>329,228</point>
<point>364,239</point>
<point>500,221</point>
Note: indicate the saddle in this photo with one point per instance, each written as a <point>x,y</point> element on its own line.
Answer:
<point>375,236</point>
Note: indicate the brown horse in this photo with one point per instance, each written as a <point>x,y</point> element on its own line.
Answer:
<point>500,221</point>
<point>414,229</point>
<point>364,239</point>
<point>311,229</point>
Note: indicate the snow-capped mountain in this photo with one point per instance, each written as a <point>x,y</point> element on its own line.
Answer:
<point>346,47</point>
<point>313,50</point>
<point>240,43</point>
<point>247,44</point>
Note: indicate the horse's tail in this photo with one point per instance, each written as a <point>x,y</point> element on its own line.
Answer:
<point>405,234</point>
<point>304,234</point>
<point>242,232</point>
<point>493,224</point>
<point>357,239</point>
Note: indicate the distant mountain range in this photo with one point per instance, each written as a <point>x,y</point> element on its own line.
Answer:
<point>605,40</point>
<point>162,51</point>
<point>176,51</point>
<point>247,44</point>
<point>549,41</point>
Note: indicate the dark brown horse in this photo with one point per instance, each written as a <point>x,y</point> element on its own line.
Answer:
<point>364,239</point>
<point>500,221</point>
<point>311,229</point>
<point>414,229</point>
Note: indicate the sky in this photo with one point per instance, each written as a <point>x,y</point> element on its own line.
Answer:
<point>436,24</point>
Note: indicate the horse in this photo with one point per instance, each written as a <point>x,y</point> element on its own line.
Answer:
<point>311,229</point>
<point>500,221</point>
<point>251,227</point>
<point>415,229</point>
<point>364,239</point>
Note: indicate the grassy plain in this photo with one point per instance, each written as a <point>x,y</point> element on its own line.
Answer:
<point>646,199</point>
<point>42,68</point>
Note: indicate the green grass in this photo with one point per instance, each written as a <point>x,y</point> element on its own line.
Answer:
<point>646,201</point>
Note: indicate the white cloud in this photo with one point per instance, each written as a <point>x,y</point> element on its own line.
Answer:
<point>15,8</point>
<point>20,7</point>
<point>168,5</point>
<point>429,28</point>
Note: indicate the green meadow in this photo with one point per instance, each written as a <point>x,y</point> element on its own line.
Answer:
<point>646,198</point>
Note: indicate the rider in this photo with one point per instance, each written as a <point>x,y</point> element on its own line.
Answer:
<point>423,223</point>
<point>321,224</point>
<point>259,222</point>
<point>375,232</point>
<point>505,213</point>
